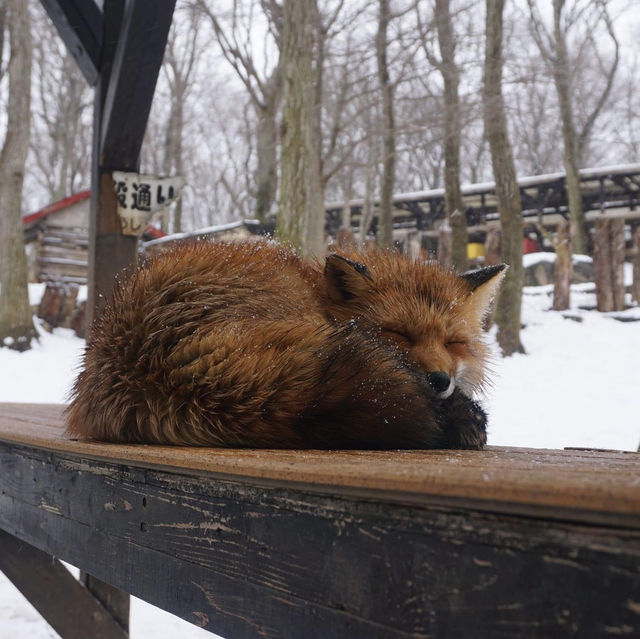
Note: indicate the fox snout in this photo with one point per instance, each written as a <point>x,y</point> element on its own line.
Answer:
<point>442,383</point>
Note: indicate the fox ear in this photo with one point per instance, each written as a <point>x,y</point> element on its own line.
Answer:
<point>484,284</point>
<point>345,278</point>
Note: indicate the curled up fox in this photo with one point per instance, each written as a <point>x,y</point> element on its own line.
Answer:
<point>219,344</point>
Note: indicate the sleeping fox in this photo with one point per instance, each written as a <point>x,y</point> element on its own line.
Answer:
<point>214,344</point>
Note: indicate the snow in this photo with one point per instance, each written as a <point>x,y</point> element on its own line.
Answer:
<point>208,230</point>
<point>577,386</point>
<point>19,619</point>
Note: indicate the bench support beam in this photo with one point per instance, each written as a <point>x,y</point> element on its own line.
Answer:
<point>68,607</point>
<point>255,558</point>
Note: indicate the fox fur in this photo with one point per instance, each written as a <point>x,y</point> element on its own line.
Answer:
<point>247,345</point>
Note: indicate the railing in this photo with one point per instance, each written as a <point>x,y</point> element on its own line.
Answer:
<point>258,543</point>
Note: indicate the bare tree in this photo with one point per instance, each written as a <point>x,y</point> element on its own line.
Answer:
<point>178,67</point>
<point>626,114</point>
<point>61,127</point>
<point>264,88</point>
<point>300,220</point>
<point>553,45</point>
<point>508,309</point>
<point>385,211</point>
<point>16,327</point>
<point>448,68</point>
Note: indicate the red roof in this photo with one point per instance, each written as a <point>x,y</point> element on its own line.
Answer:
<point>56,206</point>
<point>153,232</point>
<point>150,231</point>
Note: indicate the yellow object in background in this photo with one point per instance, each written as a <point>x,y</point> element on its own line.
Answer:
<point>475,250</point>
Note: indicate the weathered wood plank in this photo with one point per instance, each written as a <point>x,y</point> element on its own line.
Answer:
<point>67,606</point>
<point>249,560</point>
<point>588,486</point>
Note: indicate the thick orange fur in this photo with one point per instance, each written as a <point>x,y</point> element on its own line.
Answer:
<point>247,345</point>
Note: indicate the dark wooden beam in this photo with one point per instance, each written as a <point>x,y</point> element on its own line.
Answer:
<point>249,558</point>
<point>135,35</point>
<point>143,35</point>
<point>79,23</point>
<point>65,604</point>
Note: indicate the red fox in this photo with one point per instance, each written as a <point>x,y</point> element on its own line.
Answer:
<point>219,344</point>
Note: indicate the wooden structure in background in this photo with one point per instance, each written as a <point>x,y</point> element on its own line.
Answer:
<point>61,235</point>
<point>119,50</point>
<point>607,192</point>
<point>343,544</point>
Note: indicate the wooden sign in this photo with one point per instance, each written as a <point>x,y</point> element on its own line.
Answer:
<point>140,197</point>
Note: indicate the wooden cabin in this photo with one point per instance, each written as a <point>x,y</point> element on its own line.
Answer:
<point>57,239</point>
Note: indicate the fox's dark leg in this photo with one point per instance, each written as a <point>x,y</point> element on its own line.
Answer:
<point>464,422</point>
<point>287,384</point>
<point>367,395</point>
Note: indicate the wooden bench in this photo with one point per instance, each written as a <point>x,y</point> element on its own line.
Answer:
<point>506,542</point>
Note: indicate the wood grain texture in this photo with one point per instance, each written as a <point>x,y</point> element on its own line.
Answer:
<point>246,560</point>
<point>581,485</point>
<point>67,606</point>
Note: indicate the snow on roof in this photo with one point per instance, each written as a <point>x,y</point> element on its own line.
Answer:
<point>208,230</point>
<point>484,187</point>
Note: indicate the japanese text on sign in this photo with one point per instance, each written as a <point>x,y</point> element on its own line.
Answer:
<point>141,196</point>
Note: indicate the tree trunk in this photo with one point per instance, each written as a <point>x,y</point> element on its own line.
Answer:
<point>563,268</point>
<point>602,266</point>
<point>266,173</point>
<point>16,325</point>
<point>385,212</point>
<point>299,222</point>
<point>367,207</point>
<point>635,287</point>
<point>608,265</point>
<point>508,194</point>
<point>445,245</point>
<point>562,81</point>
<point>492,248</point>
<point>177,159</point>
<point>617,263</point>
<point>452,131</point>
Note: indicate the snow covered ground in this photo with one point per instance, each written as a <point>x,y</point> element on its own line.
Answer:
<point>578,386</point>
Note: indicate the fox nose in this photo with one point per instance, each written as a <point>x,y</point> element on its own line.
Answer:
<point>439,380</point>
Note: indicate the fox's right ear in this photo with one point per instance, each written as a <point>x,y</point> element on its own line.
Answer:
<point>484,284</point>
<point>345,279</point>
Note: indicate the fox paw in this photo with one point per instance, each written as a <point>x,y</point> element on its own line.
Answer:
<point>465,422</point>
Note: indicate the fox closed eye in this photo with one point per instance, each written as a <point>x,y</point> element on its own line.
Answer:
<point>397,334</point>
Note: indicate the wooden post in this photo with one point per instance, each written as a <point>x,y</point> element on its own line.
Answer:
<point>617,263</point>
<point>635,288</point>
<point>445,246</point>
<point>134,37</point>
<point>608,264</point>
<point>563,268</point>
<point>492,248</point>
<point>54,592</point>
<point>602,266</point>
